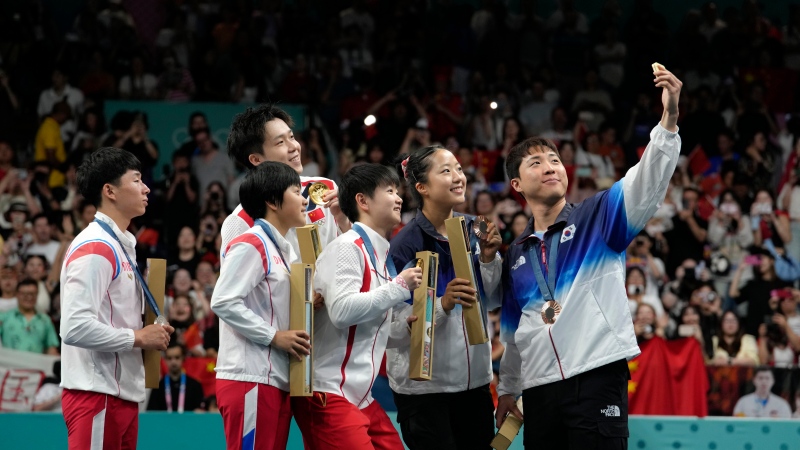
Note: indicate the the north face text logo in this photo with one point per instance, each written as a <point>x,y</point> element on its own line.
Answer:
<point>611,411</point>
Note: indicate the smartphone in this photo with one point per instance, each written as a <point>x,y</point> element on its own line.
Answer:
<point>780,293</point>
<point>22,174</point>
<point>686,330</point>
<point>752,260</point>
<point>728,208</point>
<point>583,172</point>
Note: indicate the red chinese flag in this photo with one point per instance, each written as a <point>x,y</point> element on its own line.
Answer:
<point>202,370</point>
<point>668,378</point>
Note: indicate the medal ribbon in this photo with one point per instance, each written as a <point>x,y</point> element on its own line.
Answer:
<point>371,251</point>
<point>147,294</point>
<point>547,288</point>
<point>181,393</point>
<point>306,194</point>
<point>268,231</point>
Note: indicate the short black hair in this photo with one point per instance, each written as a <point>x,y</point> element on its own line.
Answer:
<point>248,131</point>
<point>525,148</point>
<point>39,216</point>
<point>760,369</point>
<point>416,170</point>
<point>28,282</point>
<point>363,179</point>
<point>266,184</point>
<point>103,166</point>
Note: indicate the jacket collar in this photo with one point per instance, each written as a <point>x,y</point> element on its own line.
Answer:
<point>428,227</point>
<point>125,237</point>
<point>379,243</point>
<point>560,222</point>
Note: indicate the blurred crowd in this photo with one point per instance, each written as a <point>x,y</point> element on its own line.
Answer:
<point>719,262</point>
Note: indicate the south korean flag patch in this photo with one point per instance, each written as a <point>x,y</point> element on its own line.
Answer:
<point>568,233</point>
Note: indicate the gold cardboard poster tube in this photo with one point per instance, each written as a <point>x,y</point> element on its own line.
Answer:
<point>508,431</point>
<point>301,317</point>
<point>420,366</point>
<point>157,282</point>
<point>310,246</point>
<point>475,317</point>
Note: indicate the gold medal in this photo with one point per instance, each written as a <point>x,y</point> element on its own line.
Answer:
<point>550,311</point>
<point>480,226</point>
<point>317,191</point>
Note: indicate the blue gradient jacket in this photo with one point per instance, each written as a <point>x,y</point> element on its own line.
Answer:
<point>594,327</point>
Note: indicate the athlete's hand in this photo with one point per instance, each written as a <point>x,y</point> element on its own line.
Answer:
<point>490,244</point>
<point>319,301</point>
<point>152,337</point>
<point>293,342</point>
<point>331,199</point>
<point>413,277</point>
<point>458,292</point>
<point>506,405</point>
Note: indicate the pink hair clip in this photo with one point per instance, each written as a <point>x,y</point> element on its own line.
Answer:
<point>404,165</point>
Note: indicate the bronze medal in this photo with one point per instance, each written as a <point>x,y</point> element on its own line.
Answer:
<point>316,192</point>
<point>550,311</point>
<point>480,226</point>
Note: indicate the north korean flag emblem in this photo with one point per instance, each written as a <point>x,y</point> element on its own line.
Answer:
<point>317,215</point>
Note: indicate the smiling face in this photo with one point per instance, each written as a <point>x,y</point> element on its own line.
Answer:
<point>446,183</point>
<point>279,146</point>
<point>293,209</point>
<point>385,206</point>
<point>730,324</point>
<point>542,177</point>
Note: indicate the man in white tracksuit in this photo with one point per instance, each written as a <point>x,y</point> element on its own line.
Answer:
<point>565,318</point>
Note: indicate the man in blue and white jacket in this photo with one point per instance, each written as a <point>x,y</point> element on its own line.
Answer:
<point>565,317</point>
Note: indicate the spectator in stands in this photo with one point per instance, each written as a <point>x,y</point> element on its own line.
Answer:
<point>175,83</point>
<point>215,201</point>
<point>183,285</point>
<point>709,304</point>
<point>779,344</point>
<point>645,323</point>
<point>593,99</point>
<point>90,135</point>
<point>197,122</point>
<point>759,161</point>
<point>61,91</point>
<point>8,289</point>
<point>755,292</point>
<point>136,140</point>
<point>729,230</point>
<point>36,268</point>
<point>43,244</point>
<point>689,229</point>
<point>182,197</point>
<point>206,278</point>
<point>209,164</point>
<point>732,347</point>
<point>25,329</point>
<point>588,156</point>
<point>610,57</point>
<point>49,144</point>
<point>689,325</point>
<point>185,255</point>
<point>636,286</point>
<point>640,254</point>
<point>176,391</point>
<point>762,402</point>
<point>789,201</point>
<point>768,222</point>
<point>138,85</point>
<point>19,237</point>
<point>85,215</point>
<point>181,317</point>
<point>535,113</point>
<point>558,131</point>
